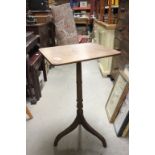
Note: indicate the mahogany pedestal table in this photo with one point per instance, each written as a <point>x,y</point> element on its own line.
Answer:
<point>76,53</point>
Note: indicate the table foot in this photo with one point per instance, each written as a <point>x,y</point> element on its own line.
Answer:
<point>93,131</point>
<point>80,120</point>
<point>66,131</point>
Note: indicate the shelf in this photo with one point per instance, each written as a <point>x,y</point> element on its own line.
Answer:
<point>81,8</point>
<point>83,20</point>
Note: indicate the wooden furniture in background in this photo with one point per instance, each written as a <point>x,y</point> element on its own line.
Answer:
<point>44,27</point>
<point>77,53</point>
<point>43,18</point>
<point>82,11</point>
<point>107,10</point>
<point>42,30</point>
<point>84,20</point>
<point>41,12</point>
<point>102,8</point>
<point>121,40</point>
<point>59,2</point>
<point>118,38</point>
<point>32,42</point>
<point>34,63</point>
<point>110,13</point>
<point>104,35</point>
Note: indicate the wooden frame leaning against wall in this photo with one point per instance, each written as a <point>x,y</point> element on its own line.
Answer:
<point>117,96</point>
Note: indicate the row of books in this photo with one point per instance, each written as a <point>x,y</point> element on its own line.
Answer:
<point>113,2</point>
<point>79,3</point>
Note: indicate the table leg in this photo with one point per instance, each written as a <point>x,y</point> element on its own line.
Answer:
<point>79,120</point>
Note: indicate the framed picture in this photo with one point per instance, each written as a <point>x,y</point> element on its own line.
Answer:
<point>117,96</point>
<point>126,131</point>
<point>122,120</point>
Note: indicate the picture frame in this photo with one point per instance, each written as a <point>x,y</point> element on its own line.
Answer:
<point>117,96</point>
<point>126,131</point>
<point>119,131</point>
<point>122,120</point>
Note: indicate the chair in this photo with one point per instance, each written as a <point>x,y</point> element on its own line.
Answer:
<point>65,29</point>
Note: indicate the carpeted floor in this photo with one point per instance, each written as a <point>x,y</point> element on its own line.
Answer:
<point>57,109</point>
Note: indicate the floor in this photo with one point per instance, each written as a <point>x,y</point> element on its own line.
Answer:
<point>57,109</point>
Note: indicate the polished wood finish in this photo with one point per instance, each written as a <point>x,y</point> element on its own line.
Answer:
<point>102,7</point>
<point>79,120</point>
<point>34,63</point>
<point>40,29</point>
<point>31,42</point>
<point>97,9</point>
<point>110,13</point>
<point>43,18</point>
<point>105,25</point>
<point>81,8</point>
<point>106,11</point>
<point>121,41</point>
<point>67,54</point>
<point>41,12</point>
<point>82,20</point>
<point>77,53</point>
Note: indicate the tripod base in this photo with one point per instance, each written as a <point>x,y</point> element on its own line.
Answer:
<point>79,120</point>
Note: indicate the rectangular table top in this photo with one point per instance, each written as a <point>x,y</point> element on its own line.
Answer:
<point>68,54</point>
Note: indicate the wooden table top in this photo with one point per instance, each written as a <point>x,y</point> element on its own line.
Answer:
<point>68,54</point>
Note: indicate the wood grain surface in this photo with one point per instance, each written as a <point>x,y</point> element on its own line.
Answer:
<point>68,54</point>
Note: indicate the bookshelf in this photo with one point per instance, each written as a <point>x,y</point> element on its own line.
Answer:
<point>107,10</point>
<point>81,8</point>
<point>81,11</point>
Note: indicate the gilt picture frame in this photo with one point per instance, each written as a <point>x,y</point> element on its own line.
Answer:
<point>117,96</point>
<point>122,118</point>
